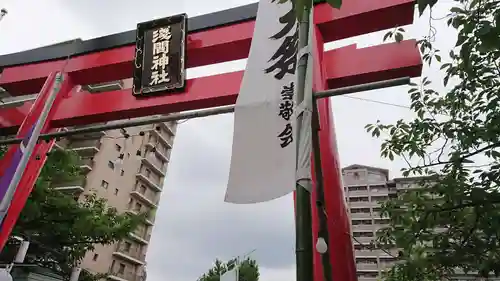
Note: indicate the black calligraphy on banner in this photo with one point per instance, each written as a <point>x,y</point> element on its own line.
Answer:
<point>283,62</point>
<point>286,112</point>
<point>286,105</point>
<point>285,58</point>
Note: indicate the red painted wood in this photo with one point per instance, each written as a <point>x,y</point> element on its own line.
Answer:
<point>13,116</point>
<point>213,46</point>
<point>319,84</point>
<point>366,65</point>
<point>342,261</point>
<point>34,166</point>
<point>356,66</point>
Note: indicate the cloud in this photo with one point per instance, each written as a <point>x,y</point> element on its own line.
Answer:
<point>195,226</point>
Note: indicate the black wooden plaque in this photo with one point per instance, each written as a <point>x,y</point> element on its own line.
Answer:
<point>160,56</point>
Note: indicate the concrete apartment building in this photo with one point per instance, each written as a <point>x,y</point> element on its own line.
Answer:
<point>129,173</point>
<point>365,188</point>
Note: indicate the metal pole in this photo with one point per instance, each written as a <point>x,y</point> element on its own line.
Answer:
<point>303,211</point>
<point>206,112</point>
<point>16,102</point>
<point>22,251</point>
<point>363,87</point>
<point>28,151</point>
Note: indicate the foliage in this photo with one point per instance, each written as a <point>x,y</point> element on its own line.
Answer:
<point>61,228</point>
<point>305,5</point>
<point>248,270</point>
<point>453,219</point>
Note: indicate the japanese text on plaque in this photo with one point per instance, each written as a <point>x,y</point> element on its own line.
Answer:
<point>161,51</point>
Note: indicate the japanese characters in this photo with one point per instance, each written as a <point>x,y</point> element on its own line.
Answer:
<point>286,112</point>
<point>161,51</point>
<point>284,62</point>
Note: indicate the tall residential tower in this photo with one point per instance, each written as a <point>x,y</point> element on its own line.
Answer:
<point>129,173</point>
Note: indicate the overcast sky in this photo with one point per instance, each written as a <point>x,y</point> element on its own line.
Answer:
<point>193,224</point>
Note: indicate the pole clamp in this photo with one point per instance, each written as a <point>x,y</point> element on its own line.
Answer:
<point>304,51</point>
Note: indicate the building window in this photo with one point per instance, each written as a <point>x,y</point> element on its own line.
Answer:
<point>138,207</point>
<point>142,190</point>
<point>127,246</point>
<point>358,199</point>
<point>111,165</point>
<point>148,172</point>
<point>121,268</point>
<point>104,184</point>
<point>118,147</point>
<point>360,210</point>
<point>95,257</point>
<point>122,172</point>
<point>116,191</point>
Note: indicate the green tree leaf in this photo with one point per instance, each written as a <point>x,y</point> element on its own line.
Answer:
<point>61,229</point>
<point>451,219</point>
<point>335,3</point>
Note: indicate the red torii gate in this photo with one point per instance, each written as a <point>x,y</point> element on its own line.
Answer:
<point>213,38</point>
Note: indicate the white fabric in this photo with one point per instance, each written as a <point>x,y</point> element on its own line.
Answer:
<point>303,174</point>
<point>261,170</point>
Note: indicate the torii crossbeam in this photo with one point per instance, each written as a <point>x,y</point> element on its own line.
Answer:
<point>213,38</point>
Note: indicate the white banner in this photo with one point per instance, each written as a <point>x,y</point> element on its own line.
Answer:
<point>303,175</point>
<point>263,161</point>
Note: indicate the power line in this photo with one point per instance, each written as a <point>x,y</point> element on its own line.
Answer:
<point>379,102</point>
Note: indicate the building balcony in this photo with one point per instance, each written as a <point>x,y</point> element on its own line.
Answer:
<point>375,253</point>
<point>156,187</point>
<point>361,216</point>
<point>72,186</point>
<point>167,128</point>
<point>160,154</point>
<point>357,193</point>
<point>362,228</point>
<point>153,164</point>
<point>143,239</point>
<point>127,275</point>
<point>360,278</point>
<point>149,219</point>
<point>86,165</point>
<point>161,138</point>
<point>359,204</point>
<point>85,147</point>
<point>142,197</point>
<point>132,255</point>
<point>366,267</point>
<point>86,136</point>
